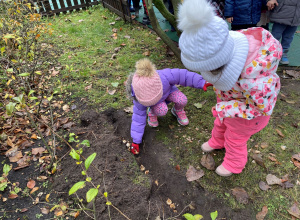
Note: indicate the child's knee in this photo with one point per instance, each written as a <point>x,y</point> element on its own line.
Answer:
<point>160,111</point>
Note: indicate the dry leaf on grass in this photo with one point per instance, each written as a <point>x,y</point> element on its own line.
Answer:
<point>279,132</point>
<point>193,174</point>
<point>272,180</point>
<point>208,162</point>
<point>294,210</point>
<point>66,108</point>
<point>88,87</point>
<point>147,53</point>
<point>263,186</point>
<point>264,145</point>
<point>240,194</point>
<point>262,214</point>
<point>169,201</point>
<point>15,157</point>
<point>293,73</point>
<point>34,136</point>
<point>258,159</point>
<point>296,160</point>
<point>31,184</point>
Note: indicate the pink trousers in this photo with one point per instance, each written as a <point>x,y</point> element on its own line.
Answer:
<point>233,135</point>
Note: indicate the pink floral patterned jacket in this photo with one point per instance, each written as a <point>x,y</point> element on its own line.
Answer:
<point>255,92</point>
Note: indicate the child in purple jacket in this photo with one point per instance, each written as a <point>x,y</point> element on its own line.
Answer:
<point>152,90</point>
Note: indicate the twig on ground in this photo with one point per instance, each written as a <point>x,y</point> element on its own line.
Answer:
<point>148,211</point>
<point>82,206</point>
<point>180,212</point>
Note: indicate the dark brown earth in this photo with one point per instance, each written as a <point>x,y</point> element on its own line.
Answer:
<point>143,200</point>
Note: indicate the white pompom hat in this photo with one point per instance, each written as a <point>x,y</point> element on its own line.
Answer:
<point>206,44</point>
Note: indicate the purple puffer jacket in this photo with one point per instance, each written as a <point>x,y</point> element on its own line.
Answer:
<point>169,78</point>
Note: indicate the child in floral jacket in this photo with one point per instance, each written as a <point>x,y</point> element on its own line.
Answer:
<point>152,90</point>
<point>242,68</point>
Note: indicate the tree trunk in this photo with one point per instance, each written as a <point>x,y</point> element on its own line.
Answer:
<point>170,17</point>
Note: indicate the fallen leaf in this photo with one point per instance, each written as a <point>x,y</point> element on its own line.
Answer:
<point>34,136</point>
<point>198,105</point>
<point>24,210</point>
<point>111,92</point>
<point>31,184</point>
<point>273,159</point>
<point>172,206</point>
<point>208,162</point>
<point>68,125</point>
<point>293,73</point>
<point>240,194</point>
<point>272,180</point>
<point>81,20</point>
<point>113,56</point>
<point>258,159</point>
<point>45,211</point>
<point>263,145</point>
<point>34,189</point>
<point>74,214</point>
<point>16,157</point>
<point>58,212</point>
<point>193,174</point>
<point>290,101</point>
<point>88,87</point>
<point>112,23</point>
<point>37,150</point>
<point>66,108</point>
<point>177,167</point>
<point>283,147</point>
<point>117,49</point>
<point>294,210</point>
<point>129,109</point>
<point>287,185</point>
<point>263,186</point>
<point>262,214</point>
<point>12,196</point>
<point>156,182</point>
<point>41,178</point>
<point>115,30</point>
<point>54,72</point>
<point>9,142</point>
<point>123,45</point>
<point>126,36</point>
<point>47,197</point>
<point>147,53</point>
<point>279,133</point>
<point>296,160</point>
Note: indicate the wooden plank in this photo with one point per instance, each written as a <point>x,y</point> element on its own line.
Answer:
<point>110,7</point>
<point>77,2</point>
<point>62,6</point>
<point>47,7</point>
<point>69,8</point>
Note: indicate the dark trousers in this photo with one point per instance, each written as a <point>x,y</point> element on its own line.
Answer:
<point>242,26</point>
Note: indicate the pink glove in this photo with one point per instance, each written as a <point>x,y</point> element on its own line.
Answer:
<point>135,148</point>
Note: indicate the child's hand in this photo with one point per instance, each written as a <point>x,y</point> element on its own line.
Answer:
<point>135,148</point>
<point>229,20</point>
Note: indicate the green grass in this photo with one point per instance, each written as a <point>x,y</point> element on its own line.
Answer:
<point>88,49</point>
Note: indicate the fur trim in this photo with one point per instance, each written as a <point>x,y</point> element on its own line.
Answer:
<point>194,14</point>
<point>128,86</point>
<point>145,67</point>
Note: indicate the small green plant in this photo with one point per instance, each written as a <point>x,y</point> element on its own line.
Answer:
<point>189,216</point>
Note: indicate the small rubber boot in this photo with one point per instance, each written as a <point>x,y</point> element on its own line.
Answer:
<point>221,171</point>
<point>206,148</point>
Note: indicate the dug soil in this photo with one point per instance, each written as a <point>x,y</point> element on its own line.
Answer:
<point>137,193</point>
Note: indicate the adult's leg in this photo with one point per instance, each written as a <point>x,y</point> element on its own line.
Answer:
<point>288,36</point>
<point>277,30</point>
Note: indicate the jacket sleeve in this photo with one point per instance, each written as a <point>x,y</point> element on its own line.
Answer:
<point>138,122</point>
<point>229,8</point>
<point>259,99</point>
<point>184,78</point>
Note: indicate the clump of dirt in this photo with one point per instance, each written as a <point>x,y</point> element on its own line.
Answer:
<point>136,194</point>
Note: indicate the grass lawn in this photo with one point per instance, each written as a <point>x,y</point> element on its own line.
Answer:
<point>99,51</point>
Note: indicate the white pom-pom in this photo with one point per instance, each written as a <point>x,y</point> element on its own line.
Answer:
<point>194,14</point>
